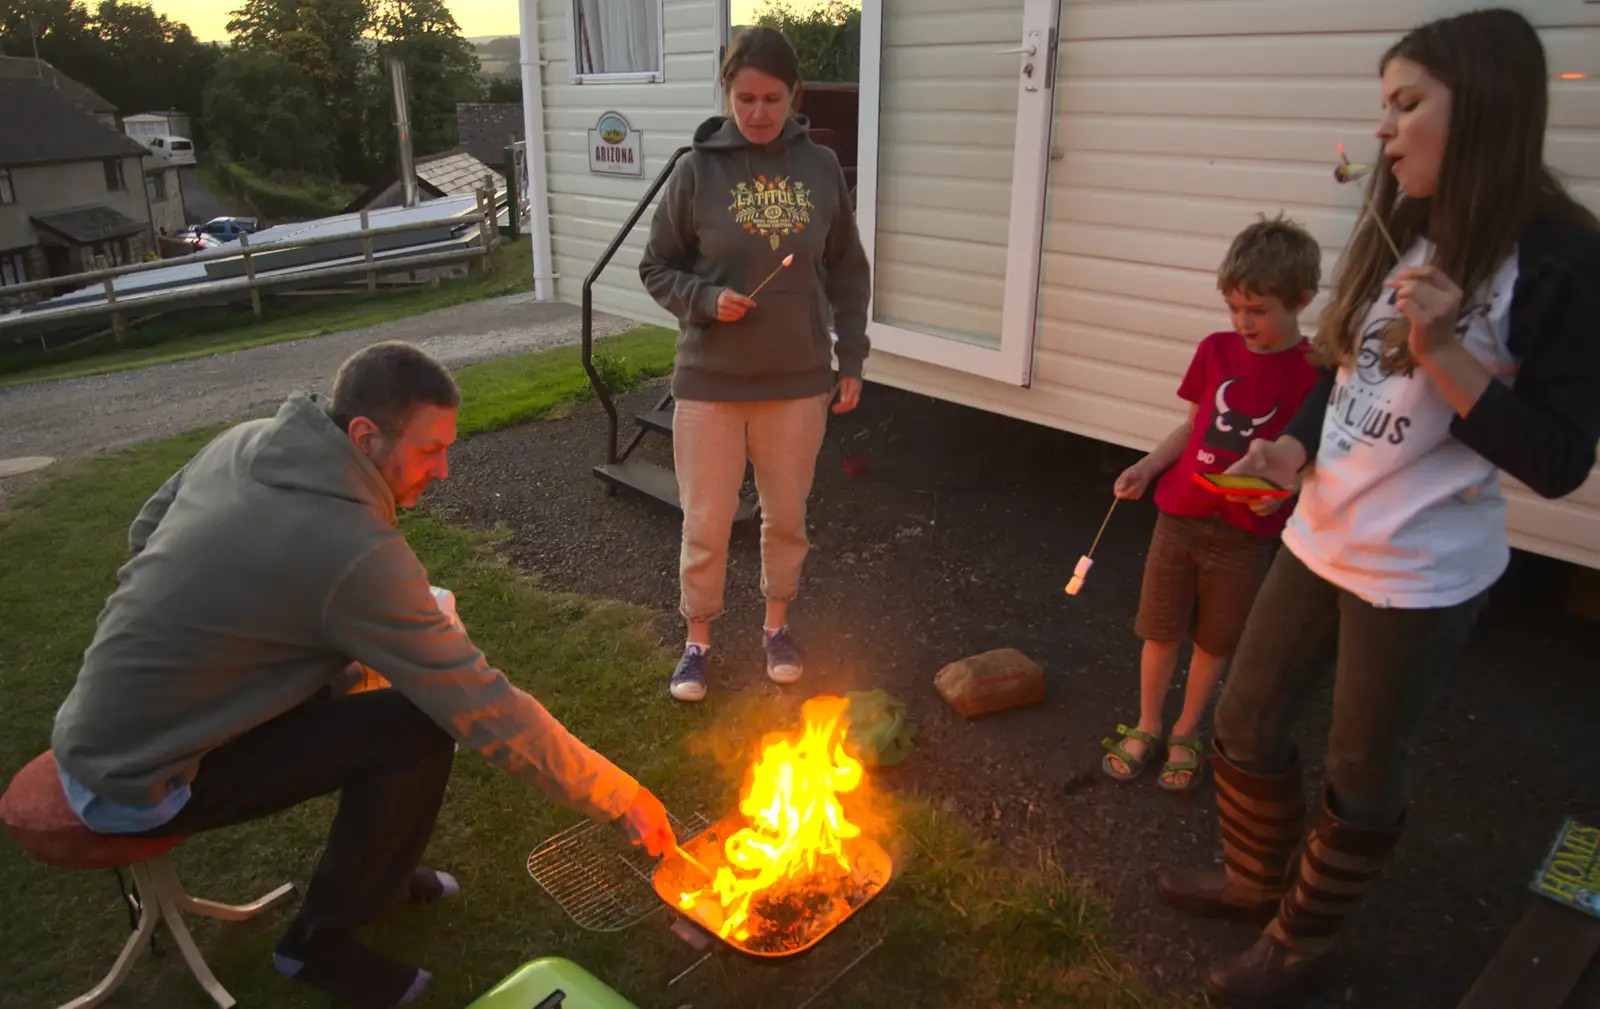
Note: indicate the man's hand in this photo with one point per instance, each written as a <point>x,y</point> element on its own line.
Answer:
<point>645,822</point>
<point>1278,461</point>
<point>731,305</point>
<point>1134,481</point>
<point>849,395</point>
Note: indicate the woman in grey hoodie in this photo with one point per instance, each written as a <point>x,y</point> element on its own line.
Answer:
<point>754,376</point>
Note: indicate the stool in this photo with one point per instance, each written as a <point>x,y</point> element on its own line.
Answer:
<point>36,812</point>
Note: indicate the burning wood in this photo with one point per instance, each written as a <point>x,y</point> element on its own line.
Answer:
<point>789,866</point>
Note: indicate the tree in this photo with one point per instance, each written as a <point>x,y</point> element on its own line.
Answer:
<point>827,38</point>
<point>137,59</point>
<point>323,40</point>
<point>262,107</point>
<point>441,70</point>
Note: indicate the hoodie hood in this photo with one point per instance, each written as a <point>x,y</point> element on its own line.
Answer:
<point>303,449</point>
<point>721,133</point>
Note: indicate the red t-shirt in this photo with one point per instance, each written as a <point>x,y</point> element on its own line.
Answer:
<point>1242,396</point>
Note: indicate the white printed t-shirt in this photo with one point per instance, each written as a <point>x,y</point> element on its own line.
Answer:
<point>1395,510</point>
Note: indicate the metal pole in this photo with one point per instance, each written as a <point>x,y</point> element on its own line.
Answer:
<point>250,274</point>
<point>402,126</point>
<point>366,254</point>
<point>544,288</point>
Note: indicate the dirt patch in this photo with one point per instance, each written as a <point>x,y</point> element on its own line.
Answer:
<point>76,417</point>
<point>958,538</point>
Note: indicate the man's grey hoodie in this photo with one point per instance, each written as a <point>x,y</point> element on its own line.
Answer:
<point>729,214</point>
<point>260,571</point>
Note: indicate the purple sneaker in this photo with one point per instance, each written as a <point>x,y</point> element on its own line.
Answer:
<point>689,678</point>
<point>786,660</point>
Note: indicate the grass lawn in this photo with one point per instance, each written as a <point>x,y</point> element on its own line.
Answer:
<point>204,332</point>
<point>961,926</point>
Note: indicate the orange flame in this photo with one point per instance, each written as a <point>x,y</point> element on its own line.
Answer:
<point>797,828</point>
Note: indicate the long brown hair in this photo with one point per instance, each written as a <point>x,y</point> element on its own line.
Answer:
<point>767,50</point>
<point>1492,182</point>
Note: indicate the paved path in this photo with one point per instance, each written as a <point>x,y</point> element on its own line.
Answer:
<point>85,415</point>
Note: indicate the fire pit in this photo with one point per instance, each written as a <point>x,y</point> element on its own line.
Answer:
<point>774,878</point>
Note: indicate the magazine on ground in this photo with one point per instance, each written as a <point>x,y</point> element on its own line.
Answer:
<point>1571,871</point>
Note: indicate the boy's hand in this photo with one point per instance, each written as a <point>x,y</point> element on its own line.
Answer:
<point>1133,481</point>
<point>1278,461</point>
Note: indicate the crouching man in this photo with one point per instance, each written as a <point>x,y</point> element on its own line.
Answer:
<point>261,570</point>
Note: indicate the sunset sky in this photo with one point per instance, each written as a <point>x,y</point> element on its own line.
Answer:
<point>208,18</point>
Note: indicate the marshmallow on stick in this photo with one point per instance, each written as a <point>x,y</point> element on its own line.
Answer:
<point>1081,571</point>
<point>786,261</point>
<point>1345,172</point>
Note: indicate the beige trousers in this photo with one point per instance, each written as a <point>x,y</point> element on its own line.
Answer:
<point>710,443</point>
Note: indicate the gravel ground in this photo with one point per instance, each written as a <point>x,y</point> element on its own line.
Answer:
<point>86,415</point>
<point>958,539</point>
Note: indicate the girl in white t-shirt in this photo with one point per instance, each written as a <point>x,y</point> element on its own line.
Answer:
<point>1477,351</point>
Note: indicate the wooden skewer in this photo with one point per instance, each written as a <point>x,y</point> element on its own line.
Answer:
<point>1085,562</point>
<point>691,859</point>
<point>1347,172</point>
<point>786,261</point>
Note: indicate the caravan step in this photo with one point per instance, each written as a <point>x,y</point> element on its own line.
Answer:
<point>659,421</point>
<point>656,483</point>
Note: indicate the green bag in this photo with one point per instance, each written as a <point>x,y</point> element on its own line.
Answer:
<point>878,733</point>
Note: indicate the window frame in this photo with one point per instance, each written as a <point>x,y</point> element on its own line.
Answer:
<point>17,259</point>
<point>155,185</point>
<point>113,166</point>
<point>8,188</point>
<point>626,77</point>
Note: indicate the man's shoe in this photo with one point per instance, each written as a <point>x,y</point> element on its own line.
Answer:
<point>689,678</point>
<point>786,660</point>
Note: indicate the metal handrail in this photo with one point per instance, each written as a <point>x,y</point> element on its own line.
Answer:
<point>600,390</point>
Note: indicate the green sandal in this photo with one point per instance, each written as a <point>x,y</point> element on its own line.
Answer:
<point>1194,767</point>
<point>1135,764</point>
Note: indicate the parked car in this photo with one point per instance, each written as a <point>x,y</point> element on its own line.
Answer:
<point>169,150</point>
<point>222,229</point>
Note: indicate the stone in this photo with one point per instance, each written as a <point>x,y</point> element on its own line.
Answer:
<point>23,464</point>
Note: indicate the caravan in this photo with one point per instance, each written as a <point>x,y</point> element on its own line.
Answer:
<point>1044,187</point>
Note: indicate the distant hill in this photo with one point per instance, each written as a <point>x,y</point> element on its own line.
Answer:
<point>498,55</point>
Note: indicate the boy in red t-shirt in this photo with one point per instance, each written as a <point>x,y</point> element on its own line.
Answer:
<point>1242,385</point>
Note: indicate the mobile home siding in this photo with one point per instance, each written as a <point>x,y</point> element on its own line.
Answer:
<point>586,210</point>
<point>1176,123</point>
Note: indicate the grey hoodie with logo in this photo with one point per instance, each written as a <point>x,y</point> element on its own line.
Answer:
<point>259,572</point>
<point>729,214</point>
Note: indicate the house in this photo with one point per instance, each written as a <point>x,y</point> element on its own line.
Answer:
<point>73,192</point>
<point>1044,188</point>
<point>158,124</point>
<point>23,68</point>
<point>450,173</point>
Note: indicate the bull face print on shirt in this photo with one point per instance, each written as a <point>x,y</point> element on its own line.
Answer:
<point>772,208</point>
<point>1230,430</point>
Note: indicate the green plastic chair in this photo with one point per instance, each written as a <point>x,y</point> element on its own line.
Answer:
<point>551,983</point>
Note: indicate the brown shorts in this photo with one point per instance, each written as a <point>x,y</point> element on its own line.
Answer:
<point>1208,561</point>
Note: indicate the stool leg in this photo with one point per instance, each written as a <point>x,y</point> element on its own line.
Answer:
<point>169,892</point>
<point>213,909</point>
<point>150,913</point>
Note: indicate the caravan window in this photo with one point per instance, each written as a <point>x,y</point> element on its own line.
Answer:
<point>616,41</point>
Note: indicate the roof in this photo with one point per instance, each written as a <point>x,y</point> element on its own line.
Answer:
<point>87,225</point>
<point>38,125</point>
<point>451,173</point>
<point>25,68</point>
<point>456,173</point>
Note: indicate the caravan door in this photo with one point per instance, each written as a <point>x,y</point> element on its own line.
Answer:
<point>956,107</point>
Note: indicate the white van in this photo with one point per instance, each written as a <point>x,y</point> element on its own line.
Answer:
<point>170,150</point>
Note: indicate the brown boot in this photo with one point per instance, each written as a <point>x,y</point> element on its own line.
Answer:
<point>1263,820</point>
<point>1332,874</point>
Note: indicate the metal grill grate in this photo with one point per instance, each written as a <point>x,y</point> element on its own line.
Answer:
<point>600,880</point>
